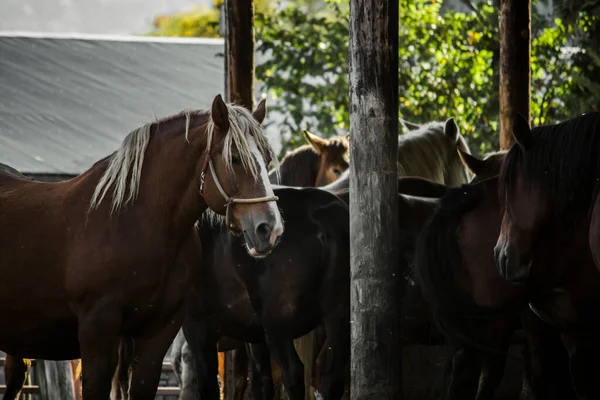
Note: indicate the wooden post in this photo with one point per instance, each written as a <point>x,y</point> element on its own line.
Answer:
<point>55,379</point>
<point>375,282</point>
<point>515,69</point>
<point>239,51</point>
<point>239,89</point>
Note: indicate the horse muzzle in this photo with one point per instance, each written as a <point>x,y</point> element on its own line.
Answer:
<point>261,240</point>
<point>509,264</point>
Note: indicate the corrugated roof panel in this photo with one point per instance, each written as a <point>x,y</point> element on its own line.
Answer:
<point>66,103</point>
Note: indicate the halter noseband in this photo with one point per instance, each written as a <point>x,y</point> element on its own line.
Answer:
<point>208,162</point>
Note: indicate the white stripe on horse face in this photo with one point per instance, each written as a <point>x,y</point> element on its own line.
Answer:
<point>266,183</point>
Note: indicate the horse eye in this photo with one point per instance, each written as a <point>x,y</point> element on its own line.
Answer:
<point>236,160</point>
<point>337,171</point>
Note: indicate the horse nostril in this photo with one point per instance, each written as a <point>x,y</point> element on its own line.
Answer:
<point>263,231</point>
<point>498,258</point>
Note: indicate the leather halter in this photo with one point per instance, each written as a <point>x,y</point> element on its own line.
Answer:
<point>229,201</point>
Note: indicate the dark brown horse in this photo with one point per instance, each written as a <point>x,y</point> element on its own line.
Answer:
<point>549,190</point>
<point>470,372</point>
<point>114,248</point>
<point>549,182</point>
<point>471,302</point>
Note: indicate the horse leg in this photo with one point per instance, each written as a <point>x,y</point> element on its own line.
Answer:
<point>492,364</point>
<point>285,355</point>
<point>15,375</point>
<point>149,356</point>
<point>319,338</point>
<point>120,383</point>
<point>202,341</point>
<point>182,361</point>
<point>491,374</point>
<point>99,345</point>
<point>583,363</point>
<point>464,371</point>
<point>262,378</point>
<point>240,372</point>
<point>546,362</point>
<point>333,357</point>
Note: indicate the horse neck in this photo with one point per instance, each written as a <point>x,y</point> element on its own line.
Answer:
<point>421,156</point>
<point>172,185</point>
<point>414,213</point>
<point>340,184</point>
<point>299,168</point>
<point>432,156</point>
<point>456,174</point>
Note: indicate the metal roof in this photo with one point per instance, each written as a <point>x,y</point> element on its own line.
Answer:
<point>67,101</point>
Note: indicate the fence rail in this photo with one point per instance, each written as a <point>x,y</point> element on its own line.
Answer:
<point>36,390</point>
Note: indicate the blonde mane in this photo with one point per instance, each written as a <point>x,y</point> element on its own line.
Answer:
<point>124,169</point>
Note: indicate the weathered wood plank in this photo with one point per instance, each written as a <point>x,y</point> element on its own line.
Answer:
<point>515,68</point>
<point>55,379</point>
<point>27,389</point>
<point>168,391</point>
<point>375,286</point>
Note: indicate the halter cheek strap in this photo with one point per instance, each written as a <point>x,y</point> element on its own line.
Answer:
<point>229,201</point>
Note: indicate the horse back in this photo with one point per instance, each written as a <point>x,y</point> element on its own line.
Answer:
<point>21,193</point>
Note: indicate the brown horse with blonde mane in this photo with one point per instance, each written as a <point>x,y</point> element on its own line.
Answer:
<point>114,249</point>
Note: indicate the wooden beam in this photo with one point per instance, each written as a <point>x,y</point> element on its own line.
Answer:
<point>515,68</point>
<point>375,281</point>
<point>239,51</point>
<point>27,389</point>
<point>239,89</point>
<point>55,379</point>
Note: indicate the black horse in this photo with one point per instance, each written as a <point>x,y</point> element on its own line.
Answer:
<point>298,286</point>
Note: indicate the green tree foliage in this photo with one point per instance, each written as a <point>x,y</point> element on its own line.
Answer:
<point>448,66</point>
<point>200,22</point>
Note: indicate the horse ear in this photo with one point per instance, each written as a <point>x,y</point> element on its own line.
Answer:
<point>319,144</point>
<point>408,126</point>
<point>219,114</point>
<point>261,111</point>
<point>522,132</point>
<point>451,129</point>
<point>474,164</point>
